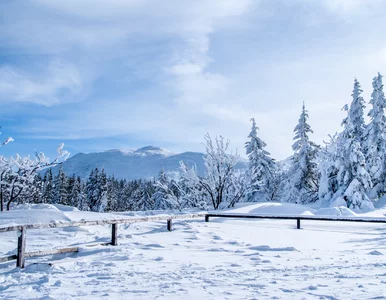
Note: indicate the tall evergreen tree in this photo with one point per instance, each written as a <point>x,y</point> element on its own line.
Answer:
<point>161,191</point>
<point>102,193</point>
<point>92,190</point>
<point>60,187</point>
<point>375,139</point>
<point>354,122</point>
<point>76,191</point>
<point>302,174</point>
<point>261,168</point>
<point>48,188</point>
<point>352,178</point>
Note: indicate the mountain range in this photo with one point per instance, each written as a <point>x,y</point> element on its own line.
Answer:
<point>145,162</point>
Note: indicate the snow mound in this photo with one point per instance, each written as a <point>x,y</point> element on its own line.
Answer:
<point>335,211</point>
<point>62,207</point>
<point>32,214</point>
<point>275,209</point>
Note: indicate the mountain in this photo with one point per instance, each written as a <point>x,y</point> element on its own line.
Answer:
<point>145,162</point>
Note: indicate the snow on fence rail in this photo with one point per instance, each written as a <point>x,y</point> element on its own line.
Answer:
<point>295,217</point>
<point>21,229</point>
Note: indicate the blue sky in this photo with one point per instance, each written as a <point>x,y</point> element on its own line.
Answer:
<point>99,75</point>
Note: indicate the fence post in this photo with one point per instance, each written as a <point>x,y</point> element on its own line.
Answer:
<point>298,223</point>
<point>20,260</point>
<point>169,224</point>
<point>114,234</point>
<point>206,218</point>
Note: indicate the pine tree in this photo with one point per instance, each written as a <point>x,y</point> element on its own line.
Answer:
<point>261,168</point>
<point>352,178</point>
<point>161,191</point>
<point>112,194</point>
<point>70,187</point>
<point>354,119</point>
<point>75,192</point>
<point>48,188</point>
<point>375,140</point>
<point>60,188</point>
<point>92,190</point>
<point>102,193</point>
<point>303,175</point>
<point>328,168</point>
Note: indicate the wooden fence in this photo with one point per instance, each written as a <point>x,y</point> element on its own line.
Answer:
<point>295,217</point>
<point>21,229</point>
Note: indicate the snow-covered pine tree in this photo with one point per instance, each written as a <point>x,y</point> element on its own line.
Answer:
<point>75,191</point>
<point>112,194</point>
<point>143,195</point>
<point>167,193</point>
<point>261,168</point>
<point>102,185</point>
<point>48,189</point>
<point>302,175</point>
<point>160,196</point>
<point>92,190</point>
<point>375,140</point>
<point>328,166</point>
<point>70,187</point>
<point>356,113</point>
<point>60,187</point>
<point>352,178</point>
<point>191,193</point>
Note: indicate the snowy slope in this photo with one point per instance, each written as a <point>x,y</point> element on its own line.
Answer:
<point>222,259</point>
<point>145,162</point>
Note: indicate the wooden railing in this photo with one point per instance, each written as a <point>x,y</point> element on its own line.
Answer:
<point>294,217</point>
<point>21,229</point>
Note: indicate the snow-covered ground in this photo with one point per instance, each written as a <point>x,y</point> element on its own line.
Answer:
<point>222,259</point>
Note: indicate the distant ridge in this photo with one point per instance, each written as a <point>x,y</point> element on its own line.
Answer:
<point>145,162</point>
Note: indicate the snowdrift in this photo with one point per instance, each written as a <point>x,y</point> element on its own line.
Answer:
<point>270,208</point>
<point>33,214</point>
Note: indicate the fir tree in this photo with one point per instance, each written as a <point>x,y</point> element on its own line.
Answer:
<point>354,121</point>
<point>92,190</point>
<point>303,175</point>
<point>261,168</point>
<point>48,188</point>
<point>60,188</point>
<point>352,178</point>
<point>375,140</point>
<point>161,191</point>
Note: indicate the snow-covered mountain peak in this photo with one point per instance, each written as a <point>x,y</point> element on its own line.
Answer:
<point>122,151</point>
<point>151,150</point>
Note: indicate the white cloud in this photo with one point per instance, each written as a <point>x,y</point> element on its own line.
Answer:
<point>58,81</point>
<point>353,6</point>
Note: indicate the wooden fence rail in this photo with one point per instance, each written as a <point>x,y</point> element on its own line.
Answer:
<point>22,230</point>
<point>295,217</point>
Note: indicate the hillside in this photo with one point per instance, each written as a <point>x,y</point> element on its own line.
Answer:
<point>145,162</point>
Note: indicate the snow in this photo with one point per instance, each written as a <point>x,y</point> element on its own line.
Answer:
<point>275,209</point>
<point>222,259</point>
<point>335,211</point>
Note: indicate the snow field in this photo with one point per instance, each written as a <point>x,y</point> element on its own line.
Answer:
<point>222,259</point>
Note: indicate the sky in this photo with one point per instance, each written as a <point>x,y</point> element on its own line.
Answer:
<point>101,75</point>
